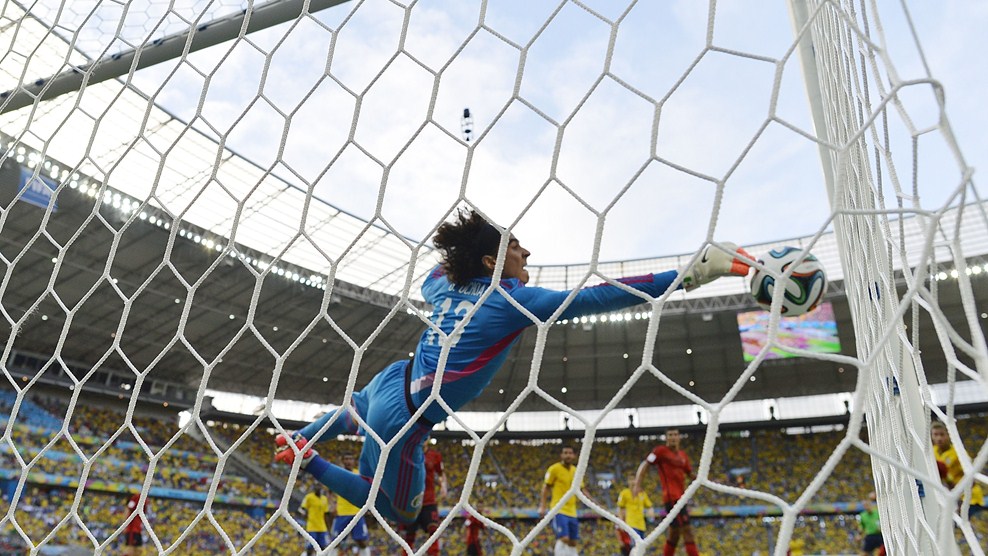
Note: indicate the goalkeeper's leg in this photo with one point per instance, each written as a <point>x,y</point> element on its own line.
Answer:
<point>344,423</point>
<point>400,496</point>
<point>403,480</point>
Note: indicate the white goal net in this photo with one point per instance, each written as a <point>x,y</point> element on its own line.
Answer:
<point>195,193</point>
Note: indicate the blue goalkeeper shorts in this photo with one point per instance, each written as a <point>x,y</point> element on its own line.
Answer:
<point>385,406</point>
<point>388,410</point>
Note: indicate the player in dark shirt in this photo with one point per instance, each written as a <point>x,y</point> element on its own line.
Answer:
<point>673,466</point>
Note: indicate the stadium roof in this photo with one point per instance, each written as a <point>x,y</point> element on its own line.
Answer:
<point>154,267</point>
<point>140,150</point>
<point>120,138</point>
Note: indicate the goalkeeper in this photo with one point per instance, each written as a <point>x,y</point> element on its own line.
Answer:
<point>469,247</point>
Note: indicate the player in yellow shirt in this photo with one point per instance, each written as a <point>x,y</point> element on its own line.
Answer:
<point>946,455</point>
<point>344,515</point>
<point>314,507</point>
<point>631,510</point>
<point>558,480</point>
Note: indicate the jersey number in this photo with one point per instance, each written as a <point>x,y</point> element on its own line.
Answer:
<point>462,308</point>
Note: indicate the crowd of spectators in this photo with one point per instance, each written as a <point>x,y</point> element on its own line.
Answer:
<point>509,474</point>
<point>116,453</point>
<point>88,419</point>
<point>819,535</point>
<point>42,510</point>
<point>507,483</point>
<point>775,461</point>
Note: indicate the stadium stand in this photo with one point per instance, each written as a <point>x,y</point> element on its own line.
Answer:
<point>779,461</point>
<point>41,509</point>
<point>509,478</point>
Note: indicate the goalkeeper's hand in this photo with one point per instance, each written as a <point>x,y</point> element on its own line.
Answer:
<point>283,452</point>
<point>714,263</point>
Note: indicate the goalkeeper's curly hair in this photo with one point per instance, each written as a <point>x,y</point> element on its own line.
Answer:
<point>463,243</point>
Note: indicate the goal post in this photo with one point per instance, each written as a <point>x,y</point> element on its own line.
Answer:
<point>916,514</point>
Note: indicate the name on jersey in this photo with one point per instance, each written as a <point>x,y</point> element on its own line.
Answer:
<point>469,289</point>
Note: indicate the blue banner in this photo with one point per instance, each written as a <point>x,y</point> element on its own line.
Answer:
<point>55,455</point>
<point>92,440</point>
<point>48,479</point>
<point>37,190</point>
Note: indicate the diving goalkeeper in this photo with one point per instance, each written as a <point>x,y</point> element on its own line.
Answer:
<point>469,249</point>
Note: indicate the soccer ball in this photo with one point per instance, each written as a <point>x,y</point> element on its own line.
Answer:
<point>805,287</point>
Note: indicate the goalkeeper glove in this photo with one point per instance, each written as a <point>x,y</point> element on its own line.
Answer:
<point>714,263</point>
<point>283,452</point>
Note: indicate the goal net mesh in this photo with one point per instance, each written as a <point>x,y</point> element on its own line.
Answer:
<point>146,148</point>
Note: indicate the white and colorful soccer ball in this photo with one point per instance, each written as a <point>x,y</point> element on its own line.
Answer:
<point>803,291</point>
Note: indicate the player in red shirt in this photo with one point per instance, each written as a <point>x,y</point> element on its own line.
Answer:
<point>473,527</point>
<point>673,466</point>
<point>134,532</point>
<point>428,519</point>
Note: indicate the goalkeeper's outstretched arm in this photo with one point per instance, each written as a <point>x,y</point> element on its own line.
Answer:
<point>712,263</point>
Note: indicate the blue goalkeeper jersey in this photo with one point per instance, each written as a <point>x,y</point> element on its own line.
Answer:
<point>487,338</point>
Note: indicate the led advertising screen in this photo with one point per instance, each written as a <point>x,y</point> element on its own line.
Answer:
<point>815,331</point>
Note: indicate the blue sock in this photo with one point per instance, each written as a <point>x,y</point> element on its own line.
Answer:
<point>344,424</point>
<point>349,485</point>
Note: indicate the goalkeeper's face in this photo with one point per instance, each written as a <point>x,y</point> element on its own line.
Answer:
<point>515,259</point>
